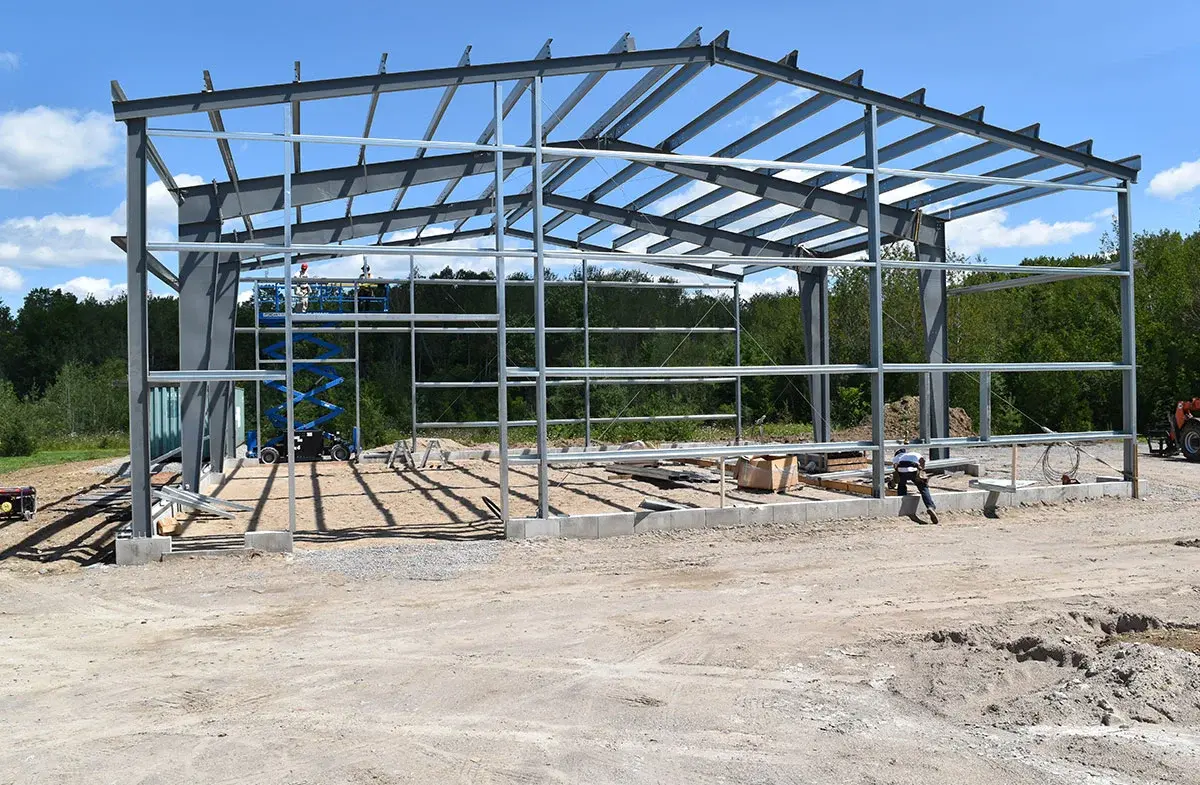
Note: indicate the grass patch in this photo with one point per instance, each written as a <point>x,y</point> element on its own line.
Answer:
<point>55,457</point>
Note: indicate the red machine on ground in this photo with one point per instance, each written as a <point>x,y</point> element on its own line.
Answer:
<point>1182,434</point>
<point>18,502</point>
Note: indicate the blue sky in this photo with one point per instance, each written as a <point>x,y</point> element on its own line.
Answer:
<point>1126,81</point>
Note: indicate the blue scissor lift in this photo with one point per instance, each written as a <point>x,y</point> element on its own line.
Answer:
<point>321,298</point>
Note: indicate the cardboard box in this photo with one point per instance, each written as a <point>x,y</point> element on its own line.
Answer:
<point>768,472</point>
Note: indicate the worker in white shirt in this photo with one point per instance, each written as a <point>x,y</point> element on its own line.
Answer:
<point>909,466</point>
<point>303,288</point>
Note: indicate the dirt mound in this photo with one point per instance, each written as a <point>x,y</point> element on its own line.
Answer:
<point>902,420</point>
<point>1076,670</point>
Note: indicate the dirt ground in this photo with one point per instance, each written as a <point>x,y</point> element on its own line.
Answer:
<point>1049,645</point>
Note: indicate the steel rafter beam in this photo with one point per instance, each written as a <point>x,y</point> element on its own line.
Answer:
<point>566,242</point>
<point>830,141</point>
<point>160,270</point>
<point>251,263</point>
<point>902,224</point>
<point>336,230</point>
<point>296,131</point>
<point>705,120</point>
<point>218,125</point>
<point>434,121</point>
<point>560,171</point>
<point>730,242</point>
<point>772,128</point>
<point>152,154</point>
<point>207,203</point>
<point>510,101</point>
<point>624,44</point>
<point>862,95</point>
<point>362,150</point>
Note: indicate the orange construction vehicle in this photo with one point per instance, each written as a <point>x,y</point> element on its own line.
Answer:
<point>1182,433</point>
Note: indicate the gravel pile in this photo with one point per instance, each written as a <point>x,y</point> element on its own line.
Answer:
<point>433,561</point>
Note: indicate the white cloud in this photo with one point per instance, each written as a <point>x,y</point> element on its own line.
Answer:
<point>59,240</point>
<point>9,61</point>
<point>769,283</point>
<point>100,288</point>
<point>974,233</point>
<point>42,145</point>
<point>1175,181</point>
<point>10,279</point>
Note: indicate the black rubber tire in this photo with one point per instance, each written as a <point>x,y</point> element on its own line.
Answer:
<point>340,452</point>
<point>1189,440</point>
<point>268,455</point>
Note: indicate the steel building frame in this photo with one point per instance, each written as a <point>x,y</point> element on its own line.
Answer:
<point>213,260</point>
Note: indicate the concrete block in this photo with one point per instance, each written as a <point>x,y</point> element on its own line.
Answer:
<point>615,525</point>
<point>793,513</point>
<point>855,508</point>
<point>688,519</point>
<point>132,551</point>
<point>651,522</point>
<point>579,527</point>
<point>718,518</point>
<point>972,469</point>
<point>758,515</point>
<point>269,541</point>
<point>908,505</point>
<point>515,529</point>
<point>819,511</point>
<point>1117,489</point>
<point>541,527</point>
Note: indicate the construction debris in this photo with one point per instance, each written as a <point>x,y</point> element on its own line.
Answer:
<point>650,503</point>
<point>656,472</point>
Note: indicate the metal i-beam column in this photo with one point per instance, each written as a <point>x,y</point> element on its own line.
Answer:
<point>501,308</point>
<point>814,312</point>
<point>935,386</point>
<point>539,303</point>
<point>357,383</point>
<point>258,434</point>
<point>137,326</point>
<point>289,368</point>
<point>874,251</point>
<point>412,346</point>
<point>220,398</point>
<point>197,299</point>
<point>737,361</point>
<point>587,360</point>
<point>985,405</point>
<point>1128,336</point>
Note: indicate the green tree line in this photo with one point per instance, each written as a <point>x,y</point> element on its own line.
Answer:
<point>62,359</point>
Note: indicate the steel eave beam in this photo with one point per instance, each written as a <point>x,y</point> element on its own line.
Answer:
<point>576,245</point>
<point>152,154</point>
<point>259,263</point>
<point>362,150</point>
<point>207,203</point>
<point>862,95</point>
<point>316,90</point>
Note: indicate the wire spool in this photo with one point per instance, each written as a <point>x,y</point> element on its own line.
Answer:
<point>5,507</point>
<point>1058,461</point>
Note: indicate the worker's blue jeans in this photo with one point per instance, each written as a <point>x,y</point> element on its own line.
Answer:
<point>902,480</point>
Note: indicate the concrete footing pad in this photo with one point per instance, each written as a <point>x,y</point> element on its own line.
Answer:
<point>269,541</point>
<point>142,550</point>
<point>616,524</point>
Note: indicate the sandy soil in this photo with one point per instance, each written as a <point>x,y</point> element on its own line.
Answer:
<point>860,651</point>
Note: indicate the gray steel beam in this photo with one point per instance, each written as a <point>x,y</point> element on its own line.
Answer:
<point>772,128</point>
<point>830,141</point>
<point>862,95</point>
<point>410,242</point>
<point>539,301</point>
<point>565,242</point>
<point>362,150</point>
<point>514,95</point>
<point>218,125</point>
<point>1129,418</point>
<point>564,170</point>
<point>160,270</point>
<point>434,121</point>
<point>902,224</point>
<point>585,86</point>
<point>910,144</point>
<point>813,289</point>
<point>296,131</point>
<point>1017,283</point>
<point>321,89</point>
<point>875,254</point>
<point>197,298</point>
<point>705,120</point>
<point>203,203</point>
<point>935,388</point>
<point>220,394</point>
<point>736,244</point>
<point>152,154</point>
<point>338,229</point>
<point>138,350</point>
